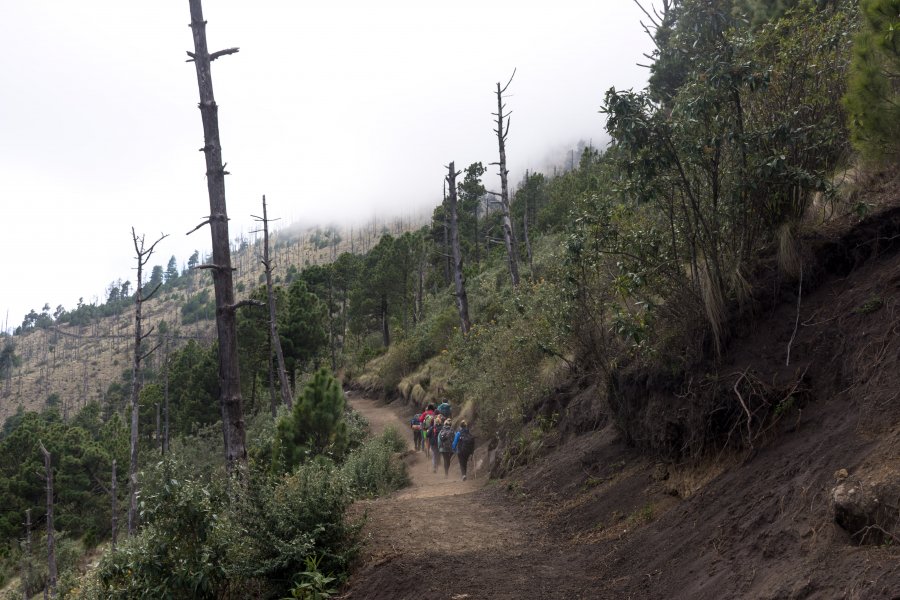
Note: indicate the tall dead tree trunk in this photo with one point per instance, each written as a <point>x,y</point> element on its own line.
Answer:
<point>165,440</point>
<point>27,577</point>
<point>385,323</point>
<point>143,255</point>
<point>420,280</point>
<point>527,241</point>
<point>114,508</point>
<point>233,428</point>
<point>446,228</point>
<point>274,340</point>
<point>502,132</point>
<point>462,301</point>
<point>273,403</point>
<point>332,322</point>
<point>51,538</point>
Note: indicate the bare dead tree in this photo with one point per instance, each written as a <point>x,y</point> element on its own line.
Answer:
<point>502,132</point>
<point>51,538</point>
<point>462,301</point>
<point>274,340</point>
<point>165,440</point>
<point>446,238</point>
<point>157,437</point>
<point>233,427</point>
<point>525,232</point>
<point>27,576</point>
<point>114,524</point>
<point>143,253</point>
<point>421,260</point>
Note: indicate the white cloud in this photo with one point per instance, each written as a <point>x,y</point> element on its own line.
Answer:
<point>333,110</point>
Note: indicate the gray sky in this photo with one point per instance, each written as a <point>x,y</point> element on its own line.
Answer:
<point>337,111</point>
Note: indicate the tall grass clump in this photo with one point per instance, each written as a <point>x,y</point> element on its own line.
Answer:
<point>374,468</point>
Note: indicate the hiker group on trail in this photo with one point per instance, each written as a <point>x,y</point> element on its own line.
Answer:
<point>433,433</point>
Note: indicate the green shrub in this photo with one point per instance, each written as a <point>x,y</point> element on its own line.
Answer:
<point>177,554</point>
<point>276,523</point>
<point>873,95</point>
<point>200,542</point>
<point>373,469</point>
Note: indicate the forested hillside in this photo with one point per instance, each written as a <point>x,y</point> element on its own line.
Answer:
<point>680,352</point>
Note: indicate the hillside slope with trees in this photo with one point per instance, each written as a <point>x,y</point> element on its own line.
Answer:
<point>679,356</point>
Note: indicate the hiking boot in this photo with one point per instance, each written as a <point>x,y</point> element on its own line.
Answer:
<point>464,477</point>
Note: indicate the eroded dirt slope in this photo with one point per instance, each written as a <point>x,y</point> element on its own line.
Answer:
<point>594,518</point>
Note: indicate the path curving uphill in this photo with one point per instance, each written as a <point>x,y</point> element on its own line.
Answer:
<point>443,538</point>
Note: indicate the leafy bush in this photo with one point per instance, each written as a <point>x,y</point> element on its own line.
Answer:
<point>200,542</point>
<point>748,132</point>
<point>276,523</point>
<point>373,469</point>
<point>178,554</point>
<point>505,366</point>
<point>873,97</point>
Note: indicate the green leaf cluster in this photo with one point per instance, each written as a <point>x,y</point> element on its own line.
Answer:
<point>873,95</point>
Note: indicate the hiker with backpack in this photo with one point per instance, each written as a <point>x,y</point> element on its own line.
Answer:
<point>432,440</point>
<point>445,409</point>
<point>425,421</point>
<point>464,446</point>
<point>445,445</point>
<point>416,425</point>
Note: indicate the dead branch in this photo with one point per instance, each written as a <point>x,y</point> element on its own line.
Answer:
<point>206,221</point>
<point>220,53</point>
<point>744,406</point>
<point>787,361</point>
<point>868,528</point>
<point>242,304</point>
<point>150,295</point>
<point>152,350</point>
<point>215,267</point>
<point>508,82</point>
<point>649,16</point>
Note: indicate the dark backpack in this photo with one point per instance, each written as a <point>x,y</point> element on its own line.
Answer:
<point>445,440</point>
<point>465,446</point>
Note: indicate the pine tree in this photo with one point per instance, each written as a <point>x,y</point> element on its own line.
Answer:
<point>873,95</point>
<point>315,426</point>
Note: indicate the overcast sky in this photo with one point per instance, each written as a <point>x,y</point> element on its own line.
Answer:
<point>335,110</point>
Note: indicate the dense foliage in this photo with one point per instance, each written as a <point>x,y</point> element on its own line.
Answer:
<point>641,255</point>
<point>873,98</point>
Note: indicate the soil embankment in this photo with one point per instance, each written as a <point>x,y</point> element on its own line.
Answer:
<point>594,518</point>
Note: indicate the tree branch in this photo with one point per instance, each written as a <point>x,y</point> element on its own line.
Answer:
<point>152,350</point>
<point>220,53</point>
<point>207,221</point>
<point>508,82</point>
<point>150,295</point>
<point>216,267</point>
<point>241,304</point>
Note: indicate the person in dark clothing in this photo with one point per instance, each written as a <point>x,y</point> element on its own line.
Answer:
<point>464,446</point>
<point>416,425</point>
<point>433,433</point>
<point>445,445</point>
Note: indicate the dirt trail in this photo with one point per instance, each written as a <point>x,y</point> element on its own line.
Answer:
<point>444,538</point>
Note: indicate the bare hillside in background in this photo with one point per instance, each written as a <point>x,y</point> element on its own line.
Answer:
<point>70,366</point>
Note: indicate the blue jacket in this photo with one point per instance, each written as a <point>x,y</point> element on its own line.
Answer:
<point>456,438</point>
